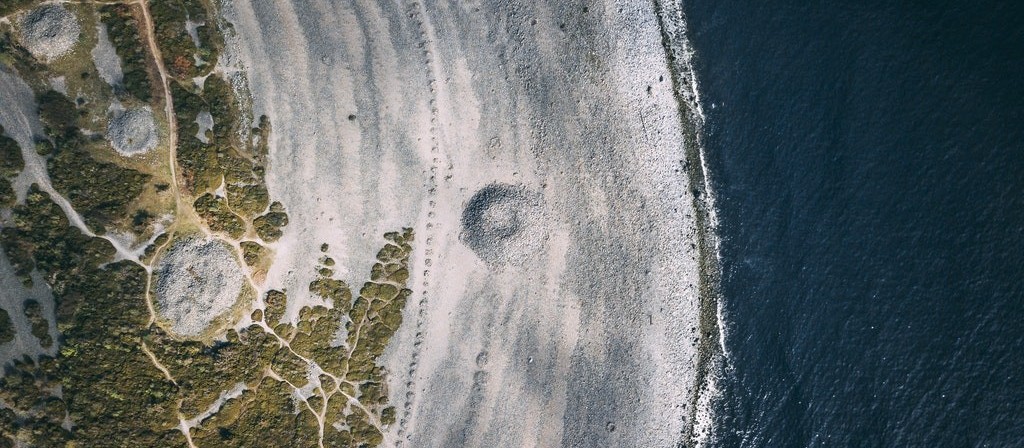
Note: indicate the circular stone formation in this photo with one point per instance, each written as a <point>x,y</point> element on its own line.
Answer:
<point>132,131</point>
<point>49,31</point>
<point>197,281</point>
<point>500,223</point>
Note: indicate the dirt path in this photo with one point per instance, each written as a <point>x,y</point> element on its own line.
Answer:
<point>172,121</point>
<point>156,362</point>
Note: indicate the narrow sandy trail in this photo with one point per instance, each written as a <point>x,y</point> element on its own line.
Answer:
<point>156,362</point>
<point>172,120</point>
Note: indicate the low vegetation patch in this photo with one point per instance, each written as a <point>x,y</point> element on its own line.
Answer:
<point>123,29</point>
<point>268,226</point>
<point>40,326</point>
<point>182,56</point>
<point>218,216</point>
<point>11,164</point>
<point>102,192</point>
<point>6,327</point>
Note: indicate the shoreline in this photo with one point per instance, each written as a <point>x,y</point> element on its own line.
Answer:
<point>709,350</point>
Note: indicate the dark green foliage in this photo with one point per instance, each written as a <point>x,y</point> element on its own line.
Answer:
<point>176,45</point>
<point>206,165</point>
<point>290,367</point>
<point>57,112</point>
<point>116,396</point>
<point>108,383</point>
<point>33,415</point>
<point>13,55</point>
<point>276,302</point>
<point>200,162</point>
<point>260,144</point>
<point>387,416</point>
<point>159,241</point>
<point>102,332</point>
<point>107,368</point>
<point>267,418</point>
<point>252,252</point>
<point>203,371</point>
<point>100,191</point>
<point>41,237</point>
<point>223,107</point>
<point>123,30</point>
<point>214,210</point>
<point>313,337</point>
<point>141,220</point>
<point>335,290</point>
<point>377,312</point>
<point>249,200</point>
<point>7,196</point>
<point>363,433</point>
<point>375,316</point>
<point>268,226</point>
<point>6,327</point>
<point>44,147</point>
<point>11,162</point>
<point>40,326</point>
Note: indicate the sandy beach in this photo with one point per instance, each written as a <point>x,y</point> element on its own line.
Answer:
<point>574,323</point>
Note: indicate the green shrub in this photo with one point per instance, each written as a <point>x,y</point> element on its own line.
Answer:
<point>176,45</point>
<point>6,327</point>
<point>219,218</point>
<point>123,30</point>
<point>248,200</point>
<point>276,302</point>
<point>7,196</point>
<point>40,326</point>
<point>100,191</point>
<point>252,252</point>
<point>57,112</point>
<point>11,162</point>
<point>268,226</point>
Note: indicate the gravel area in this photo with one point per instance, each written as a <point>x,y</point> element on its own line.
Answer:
<point>500,223</point>
<point>132,131</point>
<point>49,31</point>
<point>205,122</point>
<point>108,64</point>
<point>197,281</point>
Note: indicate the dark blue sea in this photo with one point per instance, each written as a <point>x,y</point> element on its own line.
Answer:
<point>868,162</point>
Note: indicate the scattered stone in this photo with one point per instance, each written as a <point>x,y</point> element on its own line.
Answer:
<point>132,131</point>
<point>49,31</point>
<point>501,223</point>
<point>105,58</point>
<point>197,281</point>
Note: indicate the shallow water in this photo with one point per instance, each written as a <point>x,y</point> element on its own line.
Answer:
<point>867,161</point>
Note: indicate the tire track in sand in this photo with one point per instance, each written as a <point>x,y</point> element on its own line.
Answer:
<point>416,13</point>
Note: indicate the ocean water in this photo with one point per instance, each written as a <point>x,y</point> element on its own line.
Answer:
<point>868,160</point>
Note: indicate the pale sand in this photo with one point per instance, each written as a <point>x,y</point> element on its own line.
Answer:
<point>581,338</point>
